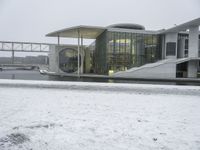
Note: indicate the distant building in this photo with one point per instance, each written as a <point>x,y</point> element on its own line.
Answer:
<point>128,50</point>
<point>41,59</point>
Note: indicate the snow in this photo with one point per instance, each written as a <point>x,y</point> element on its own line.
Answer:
<point>98,116</point>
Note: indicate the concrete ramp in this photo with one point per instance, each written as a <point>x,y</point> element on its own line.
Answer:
<point>161,69</point>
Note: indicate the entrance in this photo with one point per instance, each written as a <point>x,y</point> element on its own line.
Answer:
<point>181,70</point>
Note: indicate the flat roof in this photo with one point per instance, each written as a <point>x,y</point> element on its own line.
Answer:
<point>87,32</point>
<point>183,27</point>
<point>92,32</point>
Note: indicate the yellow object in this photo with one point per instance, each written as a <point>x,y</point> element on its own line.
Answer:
<point>110,72</point>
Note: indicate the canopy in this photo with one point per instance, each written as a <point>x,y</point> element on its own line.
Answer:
<point>87,32</point>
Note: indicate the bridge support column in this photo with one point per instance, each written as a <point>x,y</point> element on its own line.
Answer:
<point>13,54</point>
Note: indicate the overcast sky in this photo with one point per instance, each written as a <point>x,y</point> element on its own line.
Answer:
<point>30,20</point>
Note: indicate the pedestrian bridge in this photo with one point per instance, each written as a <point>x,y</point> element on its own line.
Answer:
<point>24,46</point>
<point>13,47</point>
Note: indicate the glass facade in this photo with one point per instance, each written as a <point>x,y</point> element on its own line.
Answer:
<point>171,49</point>
<point>68,60</point>
<point>99,55</point>
<point>119,51</point>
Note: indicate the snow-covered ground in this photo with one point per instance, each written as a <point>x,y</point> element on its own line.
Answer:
<point>48,115</point>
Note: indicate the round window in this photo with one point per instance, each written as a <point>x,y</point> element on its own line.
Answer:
<point>68,60</point>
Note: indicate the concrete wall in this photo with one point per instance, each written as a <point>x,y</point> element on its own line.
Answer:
<point>192,69</point>
<point>163,47</point>
<point>193,41</point>
<point>171,37</point>
<point>164,71</point>
<point>193,51</point>
<point>181,48</point>
<point>54,57</point>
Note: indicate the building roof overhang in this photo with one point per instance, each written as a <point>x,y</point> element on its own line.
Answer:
<point>92,32</point>
<point>87,32</point>
<point>183,27</point>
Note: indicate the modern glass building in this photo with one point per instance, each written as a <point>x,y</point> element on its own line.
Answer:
<point>128,50</point>
<point>119,51</point>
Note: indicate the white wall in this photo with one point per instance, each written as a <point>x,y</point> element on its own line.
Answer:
<point>171,37</point>
<point>54,57</point>
<point>181,49</point>
<point>164,71</point>
<point>193,41</point>
<point>192,69</point>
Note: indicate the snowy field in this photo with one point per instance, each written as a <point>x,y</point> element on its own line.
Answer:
<point>44,115</point>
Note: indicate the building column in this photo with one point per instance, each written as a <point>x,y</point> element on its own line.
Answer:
<point>193,41</point>
<point>58,40</point>
<point>192,69</point>
<point>163,47</point>
<point>82,55</point>
<point>78,71</point>
<point>13,54</point>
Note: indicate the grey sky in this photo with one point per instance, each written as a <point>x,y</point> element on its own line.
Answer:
<point>30,20</point>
